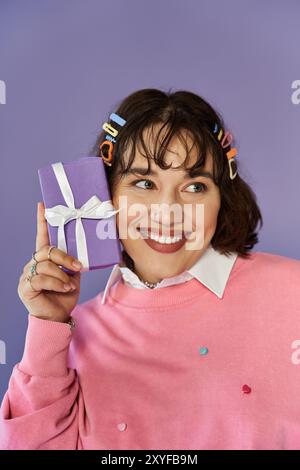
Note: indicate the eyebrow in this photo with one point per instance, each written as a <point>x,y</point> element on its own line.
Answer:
<point>188,174</point>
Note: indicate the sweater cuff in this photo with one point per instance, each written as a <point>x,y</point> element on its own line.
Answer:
<point>46,348</point>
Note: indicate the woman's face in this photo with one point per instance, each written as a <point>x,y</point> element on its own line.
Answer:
<point>166,202</point>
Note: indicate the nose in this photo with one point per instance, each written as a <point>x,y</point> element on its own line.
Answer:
<point>167,219</point>
<point>166,202</point>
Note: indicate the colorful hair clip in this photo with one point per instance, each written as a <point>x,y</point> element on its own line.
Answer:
<point>226,141</point>
<point>110,137</point>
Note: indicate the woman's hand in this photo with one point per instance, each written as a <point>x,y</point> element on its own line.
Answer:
<point>55,292</point>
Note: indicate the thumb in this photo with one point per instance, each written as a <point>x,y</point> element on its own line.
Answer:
<point>42,237</point>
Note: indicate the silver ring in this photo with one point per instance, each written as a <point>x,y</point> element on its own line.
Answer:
<point>33,256</point>
<point>49,250</point>
<point>28,279</point>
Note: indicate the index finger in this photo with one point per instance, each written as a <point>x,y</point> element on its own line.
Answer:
<point>42,237</point>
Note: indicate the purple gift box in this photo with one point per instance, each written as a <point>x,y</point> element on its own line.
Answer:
<point>75,190</point>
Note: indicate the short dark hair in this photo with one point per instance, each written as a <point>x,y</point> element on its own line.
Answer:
<point>239,213</point>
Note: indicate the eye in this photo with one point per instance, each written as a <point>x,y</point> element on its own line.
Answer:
<point>150,183</point>
<point>202,186</point>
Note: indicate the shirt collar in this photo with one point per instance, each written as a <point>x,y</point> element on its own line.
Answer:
<point>212,269</point>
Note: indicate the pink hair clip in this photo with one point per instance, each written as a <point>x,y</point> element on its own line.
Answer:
<point>226,141</point>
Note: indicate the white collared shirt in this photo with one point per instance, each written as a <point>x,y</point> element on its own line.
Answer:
<point>212,269</point>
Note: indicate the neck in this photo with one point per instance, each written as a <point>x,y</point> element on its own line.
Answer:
<point>150,281</point>
<point>147,279</point>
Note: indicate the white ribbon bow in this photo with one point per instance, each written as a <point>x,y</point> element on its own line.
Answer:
<point>59,215</point>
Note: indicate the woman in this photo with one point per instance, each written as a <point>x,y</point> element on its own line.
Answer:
<point>193,342</point>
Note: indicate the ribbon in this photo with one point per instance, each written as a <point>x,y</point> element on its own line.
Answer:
<point>59,215</point>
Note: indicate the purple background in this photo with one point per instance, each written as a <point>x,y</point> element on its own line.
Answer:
<point>68,63</point>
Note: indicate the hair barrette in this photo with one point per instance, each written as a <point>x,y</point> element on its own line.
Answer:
<point>226,141</point>
<point>110,137</point>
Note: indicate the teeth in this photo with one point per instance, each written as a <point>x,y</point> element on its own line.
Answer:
<point>166,240</point>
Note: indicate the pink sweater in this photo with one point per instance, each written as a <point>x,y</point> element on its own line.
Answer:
<point>170,368</point>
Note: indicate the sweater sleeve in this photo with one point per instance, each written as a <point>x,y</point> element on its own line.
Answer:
<point>40,408</point>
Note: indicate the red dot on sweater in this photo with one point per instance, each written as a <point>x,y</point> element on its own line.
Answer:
<point>246,388</point>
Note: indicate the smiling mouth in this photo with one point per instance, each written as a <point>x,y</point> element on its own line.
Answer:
<point>173,238</point>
